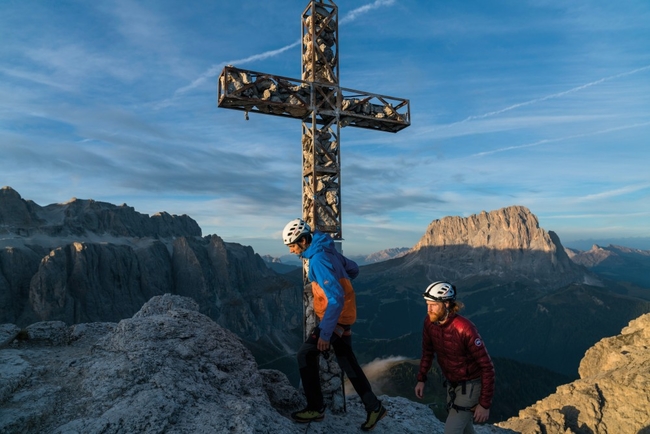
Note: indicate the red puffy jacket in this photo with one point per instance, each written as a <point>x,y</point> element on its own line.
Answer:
<point>461,354</point>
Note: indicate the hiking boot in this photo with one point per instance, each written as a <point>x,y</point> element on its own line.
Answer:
<point>373,417</point>
<point>306,415</point>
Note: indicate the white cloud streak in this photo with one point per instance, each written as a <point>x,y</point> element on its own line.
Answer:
<point>547,97</point>
<point>354,14</point>
<point>614,193</point>
<point>559,139</point>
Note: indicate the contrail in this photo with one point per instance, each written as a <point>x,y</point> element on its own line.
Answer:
<point>613,193</point>
<point>214,70</point>
<point>544,98</point>
<point>353,14</point>
<point>559,139</point>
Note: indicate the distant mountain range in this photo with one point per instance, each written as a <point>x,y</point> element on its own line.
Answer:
<point>640,243</point>
<point>617,263</point>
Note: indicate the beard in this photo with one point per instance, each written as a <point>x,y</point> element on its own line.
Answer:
<point>438,317</point>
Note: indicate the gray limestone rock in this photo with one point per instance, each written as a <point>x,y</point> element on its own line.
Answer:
<point>49,332</point>
<point>8,333</point>
<point>167,369</point>
<point>80,217</point>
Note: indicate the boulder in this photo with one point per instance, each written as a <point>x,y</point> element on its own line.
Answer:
<point>611,396</point>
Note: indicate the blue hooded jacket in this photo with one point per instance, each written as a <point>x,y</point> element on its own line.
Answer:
<point>330,273</point>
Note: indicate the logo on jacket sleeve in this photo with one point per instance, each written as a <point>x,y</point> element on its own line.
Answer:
<point>478,342</point>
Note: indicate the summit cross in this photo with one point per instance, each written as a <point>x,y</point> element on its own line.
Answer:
<point>324,108</point>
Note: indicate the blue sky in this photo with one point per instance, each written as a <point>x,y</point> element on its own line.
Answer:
<point>540,103</point>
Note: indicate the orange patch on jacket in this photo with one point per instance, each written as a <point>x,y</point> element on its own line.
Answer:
<point>348,314</point>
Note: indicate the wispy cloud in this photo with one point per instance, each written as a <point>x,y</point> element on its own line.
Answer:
<point>595,215</point>
<point>560,139</point>
<point>614,193</point>
<point>547,97</point>
<point>356,13</point>
<point>35,78</point>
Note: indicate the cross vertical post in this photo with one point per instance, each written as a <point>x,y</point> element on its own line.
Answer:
<point>324,108</point>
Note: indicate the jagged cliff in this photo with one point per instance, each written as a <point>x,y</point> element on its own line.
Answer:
<point>25,218</point>
<point>87,261</point>
<point>167,369</point>
<point>611,396</point>
<point>507,243</point>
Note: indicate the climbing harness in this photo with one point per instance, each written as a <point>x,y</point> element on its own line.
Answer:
<point>451,390</point>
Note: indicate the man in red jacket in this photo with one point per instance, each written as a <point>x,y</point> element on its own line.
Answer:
<point>462,356</point>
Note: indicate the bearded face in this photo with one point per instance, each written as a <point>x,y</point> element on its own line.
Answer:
<point>436,310</point>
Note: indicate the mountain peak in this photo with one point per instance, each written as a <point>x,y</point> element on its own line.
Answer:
<point>507,243</point>
<point>513,227</point>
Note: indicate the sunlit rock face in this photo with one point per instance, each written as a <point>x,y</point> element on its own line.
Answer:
<point>507,243</point>
<point>611,395</point>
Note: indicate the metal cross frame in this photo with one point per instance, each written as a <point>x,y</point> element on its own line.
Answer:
<point>324,108</point>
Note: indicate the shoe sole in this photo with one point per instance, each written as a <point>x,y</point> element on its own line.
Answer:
<point>318,419</point>
<point>381,416</point>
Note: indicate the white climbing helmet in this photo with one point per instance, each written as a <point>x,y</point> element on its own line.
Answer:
<point>440,291</point>
<point>295,229</point>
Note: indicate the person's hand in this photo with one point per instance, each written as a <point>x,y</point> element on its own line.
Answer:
<point>419,389</point>
<point>481,414</point>
<point>323,345</point>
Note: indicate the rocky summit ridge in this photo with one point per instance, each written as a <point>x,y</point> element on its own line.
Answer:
<point>172,369</point>
<point>167,369</point>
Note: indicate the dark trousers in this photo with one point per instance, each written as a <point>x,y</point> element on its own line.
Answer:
<point>308,365</point>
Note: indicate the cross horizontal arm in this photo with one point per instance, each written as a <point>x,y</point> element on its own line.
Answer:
<point>252,91</point>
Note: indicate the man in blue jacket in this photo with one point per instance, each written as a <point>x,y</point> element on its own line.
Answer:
<point>334,304</point>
